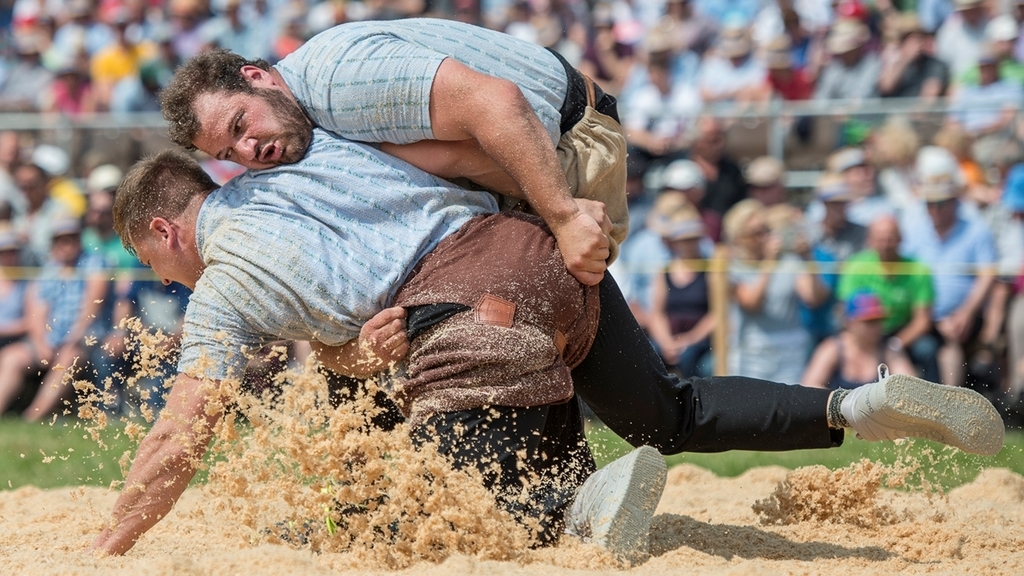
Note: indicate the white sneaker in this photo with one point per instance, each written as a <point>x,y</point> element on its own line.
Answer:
<point>901,406</point>
<point>615,505</point>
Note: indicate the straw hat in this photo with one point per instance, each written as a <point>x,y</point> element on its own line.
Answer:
<point>847,35</point>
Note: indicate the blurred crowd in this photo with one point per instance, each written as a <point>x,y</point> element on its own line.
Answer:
<point>906,249</point>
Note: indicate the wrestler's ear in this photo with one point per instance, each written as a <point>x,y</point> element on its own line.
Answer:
<point>257,77</point>
<point>164,231</point>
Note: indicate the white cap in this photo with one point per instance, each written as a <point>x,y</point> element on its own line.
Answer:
<point>103,177</point>
<point>936,162</point>
<point>51,159</point>
<point>682,175</point>
<point>1002,28</point>
<point>938,174</point>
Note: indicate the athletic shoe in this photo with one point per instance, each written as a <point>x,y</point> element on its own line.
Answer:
<point>614,507</point>
<point>901,406</point>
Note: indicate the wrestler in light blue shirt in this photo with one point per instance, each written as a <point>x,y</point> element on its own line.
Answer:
<point>370,81</point>
<point>312,250</point>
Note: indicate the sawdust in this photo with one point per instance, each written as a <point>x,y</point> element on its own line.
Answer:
<point>298,487</point>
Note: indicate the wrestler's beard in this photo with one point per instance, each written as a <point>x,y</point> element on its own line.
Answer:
<point>296,128</point>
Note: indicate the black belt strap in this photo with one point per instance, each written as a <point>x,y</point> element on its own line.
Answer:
<point>575,103</point>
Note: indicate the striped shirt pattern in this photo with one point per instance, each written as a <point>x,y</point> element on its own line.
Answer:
<point>312,250</point>
<point>370,81</point>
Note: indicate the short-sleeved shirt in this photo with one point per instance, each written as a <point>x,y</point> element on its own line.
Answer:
<point>370,81</point>
<point>908,289</point>
<point>914,76</point>
<point>718,75</point>
<point>312,250</point>
<point>838,81</point>
<point>954,260</point>
<point>773,342</point>
<point>1009,69</point>
<point>63,292</point>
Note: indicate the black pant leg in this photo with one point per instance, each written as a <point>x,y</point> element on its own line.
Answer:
<point>542,448</point>
<point>342,388</point>
<point>625,382</point>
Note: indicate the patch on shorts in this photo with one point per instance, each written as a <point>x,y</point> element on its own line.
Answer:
<point>560,342</point>
<point>494,311</point>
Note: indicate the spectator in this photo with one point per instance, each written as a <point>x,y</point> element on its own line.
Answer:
<point>988,108</point>
<point>960,40</point>
<point>61,187</point>
<point>680,320</point>
<point>837,237</point>
<point>71,92</point>
<point>291,35</point>
<point>139,92</point>
<point>61,306</point>
<point>732,73</point>
<point>764,180</point>
<point>1001,35</point>
<point>894,148</point>
<point>98,236</point>
<point>787,81</point>
<point>961,253</point>
<point>933,13</point>
<point>867,202</point>
<point>658,114</point>
<point>1008,235</point>
<point>685,176</point>
<point>79,32</point>
<point>960,144</point>
<point>606,59</point>
<point>31,220</point>
<point>767,338</point>
<point>119,60</point>
<point>27,81</point>
<point>908,68</point>
<point>725,185</point>
<point>723,12</point>
<point>831,244</point>
<point>853,357</point>
<point>644,255</point>
<point>695,33</point>
<point>240,35</point>
<point>853,71</point>
<point>1013,201</point>
<point>187,17</point>
<point>905,287</point>
<point>101,242</point>
<point>12,290</point>
<point>661,45</point>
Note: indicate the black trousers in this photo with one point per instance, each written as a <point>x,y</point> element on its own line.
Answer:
<point>626,384</point>
<point>533,459</point>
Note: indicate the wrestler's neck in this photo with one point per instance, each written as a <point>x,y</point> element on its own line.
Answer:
<point>279,80</point>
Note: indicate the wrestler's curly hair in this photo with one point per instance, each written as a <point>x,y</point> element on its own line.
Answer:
<point>211,71</point>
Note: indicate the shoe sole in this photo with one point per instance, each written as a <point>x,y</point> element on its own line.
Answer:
<point>959,417</point>
<point>626,533</point>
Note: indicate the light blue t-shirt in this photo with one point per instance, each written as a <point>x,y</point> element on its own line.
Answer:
<point>312,250</point>
<point>953,260</point>
<point>370,81</point>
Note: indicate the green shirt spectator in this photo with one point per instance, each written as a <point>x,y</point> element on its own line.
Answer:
<point>1010,70</point>
<point>903,285</point>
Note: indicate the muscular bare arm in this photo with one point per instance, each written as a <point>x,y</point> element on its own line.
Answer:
<point>165,463</point>
<point>465,104</point>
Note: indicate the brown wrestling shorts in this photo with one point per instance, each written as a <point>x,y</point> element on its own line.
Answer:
<point>528,323</point>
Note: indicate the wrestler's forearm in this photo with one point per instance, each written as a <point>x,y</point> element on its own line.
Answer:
<point>159,476</point>
<point>164,465</point>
